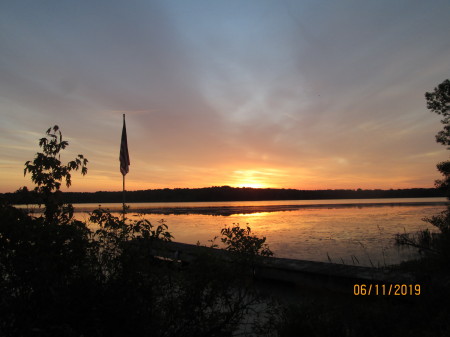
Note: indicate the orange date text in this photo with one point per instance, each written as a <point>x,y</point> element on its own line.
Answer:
<point>386,289</point>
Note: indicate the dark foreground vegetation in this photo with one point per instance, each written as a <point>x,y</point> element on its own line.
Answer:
<point>226,193</point>
<point>63,277</point>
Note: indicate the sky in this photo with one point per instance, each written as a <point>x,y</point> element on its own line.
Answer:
<point>260,93</point>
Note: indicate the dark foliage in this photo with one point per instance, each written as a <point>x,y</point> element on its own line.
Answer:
<point>47,172</point>
<point>435,246</point>
<point>59,277</point>
<point>438,101</point>
<point>239,240</point>
<point>63,279</point>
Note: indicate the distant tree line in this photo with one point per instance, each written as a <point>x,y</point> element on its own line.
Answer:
<point>226,193</point>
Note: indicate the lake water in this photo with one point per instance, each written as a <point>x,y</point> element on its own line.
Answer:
<point>359,232</point>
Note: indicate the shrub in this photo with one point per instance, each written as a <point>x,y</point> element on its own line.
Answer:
<point>59,277</point>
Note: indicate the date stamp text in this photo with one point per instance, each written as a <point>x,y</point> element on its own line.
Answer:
<point>386,289</point>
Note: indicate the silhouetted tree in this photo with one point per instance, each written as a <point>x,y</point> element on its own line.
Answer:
<point>436,244</point>
<point>438,101</point>
<point>47,172</point>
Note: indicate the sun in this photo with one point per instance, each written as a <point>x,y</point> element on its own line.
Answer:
<point>250,178</point>
<point>252,185</point>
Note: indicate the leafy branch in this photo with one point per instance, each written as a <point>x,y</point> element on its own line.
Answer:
<point>48,172</point>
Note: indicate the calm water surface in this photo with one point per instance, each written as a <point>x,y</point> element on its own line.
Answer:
<point>357,232</point>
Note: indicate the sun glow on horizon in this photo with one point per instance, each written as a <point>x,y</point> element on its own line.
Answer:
<point>252,185</point>
<point>262,178</point>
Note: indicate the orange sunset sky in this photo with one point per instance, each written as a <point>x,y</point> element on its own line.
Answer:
<point>293,94</point>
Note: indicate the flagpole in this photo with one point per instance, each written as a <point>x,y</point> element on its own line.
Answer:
<point>123,196</point>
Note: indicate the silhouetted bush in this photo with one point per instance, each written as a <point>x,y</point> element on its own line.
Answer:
<point>61,278</point>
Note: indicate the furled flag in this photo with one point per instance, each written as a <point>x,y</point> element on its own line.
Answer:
<point>124,157</point>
